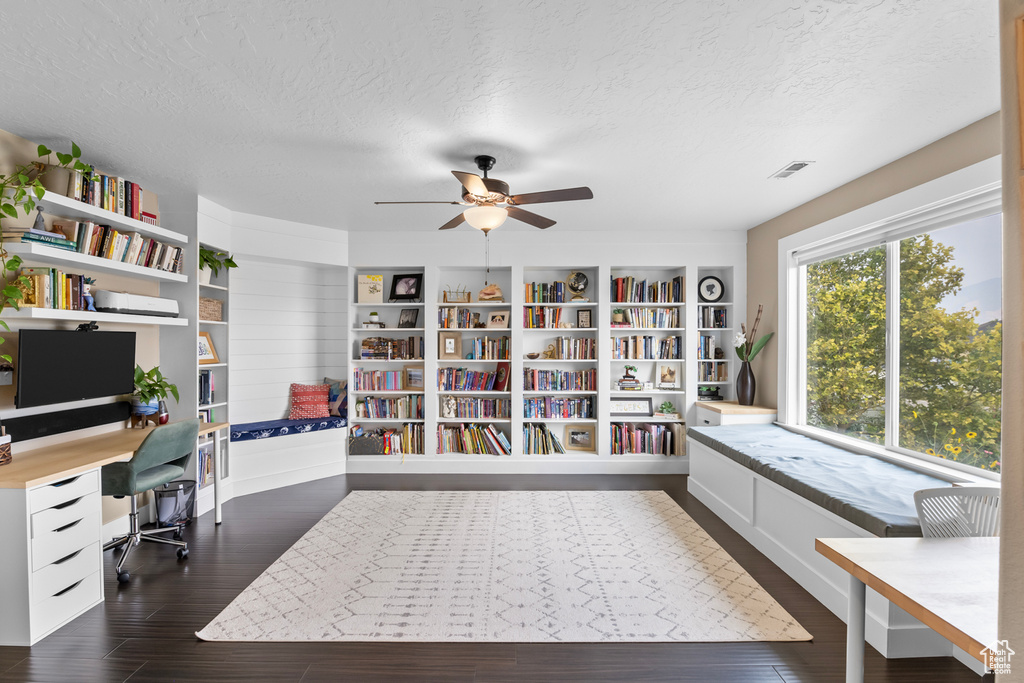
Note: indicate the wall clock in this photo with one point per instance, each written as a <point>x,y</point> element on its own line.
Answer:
<point>710,289</point>
<point>577,283</point>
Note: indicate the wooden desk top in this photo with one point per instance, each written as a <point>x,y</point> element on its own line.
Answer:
<point>950,584</point>
<point>63,460</point>
<point>734,408</point>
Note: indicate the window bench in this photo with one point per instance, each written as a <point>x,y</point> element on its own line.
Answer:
<point>249,431</point>
<point>781,490</point>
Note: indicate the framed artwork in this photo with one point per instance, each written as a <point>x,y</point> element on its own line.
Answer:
<point>449,345</point>
<point>579,437</point>
<point>632,407</point>
<point>710,289</point>
<point>497,319</point>
<point>413,377</point>
<point>668,376</point>
<point>409,317</point>
<point>583,318</point>
<point>207,354</point>
<point>370,289</point>
<point>407,287</point>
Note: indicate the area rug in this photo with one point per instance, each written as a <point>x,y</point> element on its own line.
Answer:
<point>505,566</point>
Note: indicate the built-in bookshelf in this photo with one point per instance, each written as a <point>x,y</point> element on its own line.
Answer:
<point>715,336</point>
<point>387,378</point>
<point>213,400</point>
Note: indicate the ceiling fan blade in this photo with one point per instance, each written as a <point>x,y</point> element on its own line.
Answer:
<point>418,203</point>
<point>453,223</point>
<point>569,195</point>
<point>473,183</point>
<point>531,218</point>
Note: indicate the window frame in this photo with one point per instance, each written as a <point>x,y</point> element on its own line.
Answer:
<point>967,194</point>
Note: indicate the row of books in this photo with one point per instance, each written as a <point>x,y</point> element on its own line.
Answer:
<point>388,348</point>
<point>454,407</point>
<point>574,348</point>
<point>378,380</point>
<point>651,317</point>
<point>559,380</point>
<point>407,439</point>
<point>488,348</point>
<point>102,241</point>
<point>451,317</point>
<point>204,472</point>
<point>711,316</point>
<point>647,347</point>
<point>540,317</point>
<point>550,407</point>
<point>472,438</point>
<point>645,438</point>
<point>206,387</point>
<point>463,379</point>
<point>545,293</point>
<point>712,372</point>
<point>207,415</point>
<point>390,408</point>
<point>115,194</point>
<point>630,290</point>
<point>53,288</point>
<point>539,440</point>
<point>706,347</point>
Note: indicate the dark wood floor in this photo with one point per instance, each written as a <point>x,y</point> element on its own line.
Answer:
<point>145,630</point>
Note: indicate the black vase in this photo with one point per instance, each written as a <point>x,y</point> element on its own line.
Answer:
<point>745,385</point>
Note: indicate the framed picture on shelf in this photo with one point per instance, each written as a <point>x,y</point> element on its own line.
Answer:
<point>498,319</point>
<point>583,318</point>
<point>413,377</point>
<point>207,353</point>
<point>370,289</point>
<point>668,376</point>
<point>407,287</point>
<point>409,317</point>
<point>579,437</point>
<point>631,407</point>
<point>449,345</point>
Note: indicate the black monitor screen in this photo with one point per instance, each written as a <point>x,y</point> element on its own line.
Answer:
<point>55,366</point>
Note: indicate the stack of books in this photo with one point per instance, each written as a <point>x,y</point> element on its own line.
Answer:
<point>629,384</point>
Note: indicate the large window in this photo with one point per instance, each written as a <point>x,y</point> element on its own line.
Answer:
<point>902,342</point>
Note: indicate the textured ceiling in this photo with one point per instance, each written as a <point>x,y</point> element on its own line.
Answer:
<point>674,113</point>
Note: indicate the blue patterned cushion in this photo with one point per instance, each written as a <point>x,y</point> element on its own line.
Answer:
<point>250,431</point>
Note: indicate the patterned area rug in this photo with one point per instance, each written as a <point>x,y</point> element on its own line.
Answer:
<point>505,566</point>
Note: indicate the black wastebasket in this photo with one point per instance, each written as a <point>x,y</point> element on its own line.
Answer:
<point>175,502</point>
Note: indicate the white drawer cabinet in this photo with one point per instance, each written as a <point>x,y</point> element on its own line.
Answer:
<point>52,564</point>
<point>712,413</point>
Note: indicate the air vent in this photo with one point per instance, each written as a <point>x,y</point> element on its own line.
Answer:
<point>790,169</point>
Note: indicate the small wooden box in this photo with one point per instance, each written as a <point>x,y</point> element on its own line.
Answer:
<point>211,309</point>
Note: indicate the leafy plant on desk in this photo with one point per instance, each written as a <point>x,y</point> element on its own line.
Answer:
<point>21,189</point>
<point>153,385</point>
<point>215,260</point>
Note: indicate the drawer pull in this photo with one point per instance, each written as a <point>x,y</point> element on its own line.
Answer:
<point>67,504</point>
<point>68,557</point>
<point>65,482</point>
<point>67,526</point>
<point>71,587</point>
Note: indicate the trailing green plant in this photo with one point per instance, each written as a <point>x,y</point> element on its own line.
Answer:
<point>215,260</point>
<point>21,189</point>
<point>153,385</point>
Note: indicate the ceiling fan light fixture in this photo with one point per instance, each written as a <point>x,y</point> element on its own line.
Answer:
<point>485,218</point>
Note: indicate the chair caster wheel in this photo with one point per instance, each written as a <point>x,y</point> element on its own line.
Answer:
<point>182,553</point>
<point>123,577</point>
<point>177,535</point>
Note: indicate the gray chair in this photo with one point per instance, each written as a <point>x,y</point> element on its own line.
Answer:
<point>160,459</point>
<point>958,511</point>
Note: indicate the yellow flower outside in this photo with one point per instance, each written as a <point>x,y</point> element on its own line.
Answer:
<point>971,435</point>
<point>930,451</point>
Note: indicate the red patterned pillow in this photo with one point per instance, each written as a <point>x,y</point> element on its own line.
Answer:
<point>309,401</point>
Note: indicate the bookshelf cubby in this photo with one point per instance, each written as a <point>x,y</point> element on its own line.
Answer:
<point>715,330</point>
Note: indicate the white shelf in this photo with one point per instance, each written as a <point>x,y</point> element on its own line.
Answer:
<point>212,365</point>
<point>66,207</point>
<point>560,419</point>
<point>646,392</point>
<point>564,330</point>
<point>474,420</point>
<point>641,418</point>
<point>647,360</point>
<point>379,330</point>
<point>714,303</point>
<point>462,361</point>
<point>361,420</point>
<point>40,253</point>
<point>218,287</point>
<point>399,304</point>
<point>213,322</point>
<point>615,330</point>
<point>475,392</point>
<point>559,393</point>
<point>475,304</point>
<point>636,304</point>
<point>710,360</point>
<point>369,392</point>
<point>699,383</point>
<point>387,360</point>
<point>564,303</point>
<point>559,360</point>
<point>484,330</point>
<point>212,405</point>
<point>87,316</point>
<point>714,329</point>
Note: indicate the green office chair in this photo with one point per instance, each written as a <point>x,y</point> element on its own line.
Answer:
<point>160,459</point>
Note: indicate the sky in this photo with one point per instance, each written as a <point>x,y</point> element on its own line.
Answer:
<point>977,247</point>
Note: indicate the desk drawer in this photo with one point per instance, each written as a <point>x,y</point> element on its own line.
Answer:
<point>68,602</point>
<point>60,515</point>
<point>62,491</point>
<point>55,577</point>
<point>49,546</point>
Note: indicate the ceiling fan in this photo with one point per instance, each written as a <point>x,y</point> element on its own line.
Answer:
<point>491,201</point>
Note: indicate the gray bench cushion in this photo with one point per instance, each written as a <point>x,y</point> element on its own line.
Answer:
<point>873,494</point>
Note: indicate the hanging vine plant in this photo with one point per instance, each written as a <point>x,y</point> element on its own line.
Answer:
<point>21,189</point>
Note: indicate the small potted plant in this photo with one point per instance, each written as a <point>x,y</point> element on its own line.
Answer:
<point>618,316</point>
<point>374,318</point>
<point>210,263</point>
<point>151,388</point>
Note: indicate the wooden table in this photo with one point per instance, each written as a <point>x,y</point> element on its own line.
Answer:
<point>70,458</point>
<point>949,584</point>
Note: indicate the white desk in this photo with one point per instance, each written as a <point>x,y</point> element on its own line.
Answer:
<point>951,585</point>
<point>52,559</point>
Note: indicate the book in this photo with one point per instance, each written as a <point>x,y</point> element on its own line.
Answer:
<point>370,289</point>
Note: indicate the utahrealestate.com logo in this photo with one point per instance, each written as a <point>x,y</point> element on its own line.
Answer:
<point>997,657</point>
